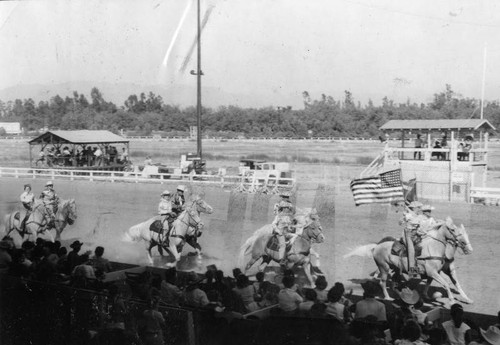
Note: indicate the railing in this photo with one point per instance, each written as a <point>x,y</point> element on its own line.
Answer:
<point>249,184</point>
<point>489,196</point>
<point>477,156</point>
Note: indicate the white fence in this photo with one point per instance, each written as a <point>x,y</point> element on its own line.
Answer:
<point>244,184</point>
<point>485,195</point>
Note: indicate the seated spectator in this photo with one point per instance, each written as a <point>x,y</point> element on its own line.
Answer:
<point>490,337</point>
<point>85,269</point>
<point>320,288</point>
<point>369,305</point>
<point>334,307</point>
<point>456,329</point>
<point>260,279</point>
<point>345,300</point>
<point>309,300</point>
<point>169,291</point>
<point>208,283</point>
<point>152,324</point>
<point>223,288</point>
<point>318,310</point>
<point>246,291</point>
<point>5,258</point>
<point>367,331</point>
<point>289,299</point>
<point>411,334</point>
<point>62,262</point>
<point>270,294</point>
<point>117,308</point>
<point>100,264</point>
<point>74,259</point>
<point>195,297</point>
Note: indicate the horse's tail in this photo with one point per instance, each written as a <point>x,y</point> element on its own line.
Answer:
<point>363,251</point>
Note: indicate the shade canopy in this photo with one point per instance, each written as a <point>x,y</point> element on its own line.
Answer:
<point>438,125</point>
<point>78,137</point>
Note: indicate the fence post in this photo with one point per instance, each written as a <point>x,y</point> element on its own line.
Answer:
<point>190,328</point>
<point>71,177</point>
<point>91,176</point>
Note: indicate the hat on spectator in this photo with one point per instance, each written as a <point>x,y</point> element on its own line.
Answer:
<point>491,335</point>
<point>76,244</point>
<point>427,208</point>
<point>409,296</point>
<point>415,204</point>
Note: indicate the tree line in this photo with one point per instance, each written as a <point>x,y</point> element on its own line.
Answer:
<point>326,116</point>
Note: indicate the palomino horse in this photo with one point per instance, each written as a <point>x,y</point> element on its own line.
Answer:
<point>187,225</point>
<point>38,221</point>
<point>438,248</point>
<point>298,255</point>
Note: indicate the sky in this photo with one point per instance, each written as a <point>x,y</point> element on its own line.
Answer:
<point>267,51</point>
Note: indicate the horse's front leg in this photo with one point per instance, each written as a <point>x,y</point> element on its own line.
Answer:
<point>307,270</point>
<point>452,273</point>
<point>384,272</point>
<point>426,288</point>
<point>172,248</point>
<point>437,277</point>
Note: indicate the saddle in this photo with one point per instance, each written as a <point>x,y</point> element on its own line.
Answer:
<point>399,249</point>
<point>157,226</point>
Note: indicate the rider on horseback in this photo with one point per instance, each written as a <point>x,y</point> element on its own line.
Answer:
<point>50,201</point>
<point>282,226</point>
<point>165,210</point>
<point>411,221</point>
<point>285,197</point>
<point>179,200</point>
<point>27,199</point>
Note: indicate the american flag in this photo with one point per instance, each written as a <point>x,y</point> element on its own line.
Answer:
<point>384,188</point>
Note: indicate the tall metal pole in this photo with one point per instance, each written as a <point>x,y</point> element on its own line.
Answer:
<point>198,79</point>
<point>484,78</point>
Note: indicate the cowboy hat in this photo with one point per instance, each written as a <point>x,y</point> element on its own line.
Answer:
<point>491,335</point>
<point>285,194</point>
<point>49,183</point>
<point>165,192</point>
<point>415,204</point>
<point>27,185</point>
<point>76,244</point>
<point>181,188</point>
<point>409,296</point>
<point>428,208</point>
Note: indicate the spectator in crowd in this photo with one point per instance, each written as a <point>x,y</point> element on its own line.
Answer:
<point>62,262</point>
<point>309,300</point>
<point>153,323</point>
<point>148,161</point>
<point>289,299</point>
<point>98,154</point>
<point>270,294</point>
<point>195,297</point>
<point>418,145</point>
<point>345,300</point>
<point>101,265</point>
<point>366,331</point>
<point>74,259</point>
<point>5,258</point>
<point>124,156</point>
<point>84,269</point>
<point>411,334</point>
<point>369,305</point>
<point>334,307</point>
<point>169,291</point>
<point>320,287</point>
<point>456,329</point>
<point>246,292</point>
<point>257,284</point>
<point>491,336</point>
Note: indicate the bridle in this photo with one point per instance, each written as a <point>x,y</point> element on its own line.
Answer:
<point>455,241</point>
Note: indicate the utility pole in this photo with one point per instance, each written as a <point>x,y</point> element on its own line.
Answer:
<point>198,74</point>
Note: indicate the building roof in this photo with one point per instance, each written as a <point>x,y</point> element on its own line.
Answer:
<point>455,124</point>
<point>78,137</point>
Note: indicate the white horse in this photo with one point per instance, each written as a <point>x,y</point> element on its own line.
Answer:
<point>186,228</point>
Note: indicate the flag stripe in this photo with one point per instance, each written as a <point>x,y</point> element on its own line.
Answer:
<point>384,188</point>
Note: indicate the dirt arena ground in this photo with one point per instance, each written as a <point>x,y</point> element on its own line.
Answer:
<point>106,210</point>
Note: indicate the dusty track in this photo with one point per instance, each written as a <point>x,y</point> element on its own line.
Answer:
<point>105,210</point>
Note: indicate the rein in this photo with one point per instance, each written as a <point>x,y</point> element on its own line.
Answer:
<point>454,242</point>
<point>188,223</point>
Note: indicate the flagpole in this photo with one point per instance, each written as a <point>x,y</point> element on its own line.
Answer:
<point>484,78</point>
<point>198,82</point>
